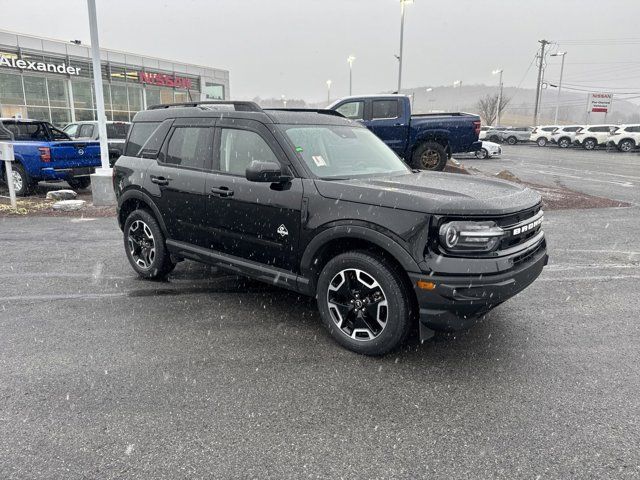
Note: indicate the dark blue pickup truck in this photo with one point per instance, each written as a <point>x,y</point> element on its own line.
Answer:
<point>42,152</point>
<point>424,141</point>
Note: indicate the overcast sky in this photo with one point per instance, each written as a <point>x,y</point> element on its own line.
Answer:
<point>278,47</point>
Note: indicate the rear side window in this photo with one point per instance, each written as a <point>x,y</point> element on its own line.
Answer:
<point>549,129</point>
<point>238,148</point>
<point>571,129</point>
<point>140,133</point>
<point>152,146</point>
<point>190,147</point>
<point>385,109</point>
<point>117,131</point>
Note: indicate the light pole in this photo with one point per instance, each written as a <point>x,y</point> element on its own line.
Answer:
<point>402,5</point>
<point>284,101</point>
<point>559,54</point>
<point>350,59</point>
<point>426,96</point>
<point>495,72</point>
<point>328,92</point>
<point>458,84</point>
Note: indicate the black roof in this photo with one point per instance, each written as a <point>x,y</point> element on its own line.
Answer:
<point>243,110</point>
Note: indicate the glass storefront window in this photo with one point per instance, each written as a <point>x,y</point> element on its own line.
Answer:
<point>166,95</point>
<point>18,111</point>
<point>120,116</point>
<point>135,98</point>
<point>152,96</point>
<point>84,115</point>
<point>106,93</point>
<point>213,91</point>
<point>181,96</point>
<point>60,116</point>
<point>58,92</point>
<point>38,113</point>
<point>82,94</point>
<point>11,89</point>
<point>119,97</point>
<point>35,89</point>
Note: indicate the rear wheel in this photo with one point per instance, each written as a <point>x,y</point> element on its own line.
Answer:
<point>145,247</point>
<point>494,139</point>
<point>79,183</point>
<point>22,184</point>
<point>429,156</point>
<point>589,144</point>
<point>564,143</point>
<point>541,142</point>
<point>512,140</point>
<point>364,303</point>
<point>626,145</point>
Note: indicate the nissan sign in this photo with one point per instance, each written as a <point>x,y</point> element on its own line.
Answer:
<point>163,80</point>
<point>600,102</point>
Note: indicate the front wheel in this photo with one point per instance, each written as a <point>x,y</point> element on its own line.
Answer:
<point>626,145</point>
<point>512,140</point>
<point>429,156</point>
<point>564,143</point>
<point>482,153</point>
<point>542,142</point>
<point>589,144</point>
<point>364,303</point>
<point>145,247</point>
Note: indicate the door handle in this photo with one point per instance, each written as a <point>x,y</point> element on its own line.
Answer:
<point>222,191</point>
<point>159,180</point>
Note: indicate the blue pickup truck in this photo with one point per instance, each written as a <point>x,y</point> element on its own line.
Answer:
<point>424,141</point>
<point>43,152</point>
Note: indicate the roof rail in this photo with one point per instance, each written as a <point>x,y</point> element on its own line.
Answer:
<point>239,106</point>
<point>322,111</point>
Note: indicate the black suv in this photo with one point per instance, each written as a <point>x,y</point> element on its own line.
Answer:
<point>314,202</point>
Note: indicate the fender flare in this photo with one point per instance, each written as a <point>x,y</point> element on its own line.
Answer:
<point>432,136</point>
<point>143,197</point>
<point>385,242</point>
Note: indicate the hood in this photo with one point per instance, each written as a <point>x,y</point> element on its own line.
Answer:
<point>435,193</point>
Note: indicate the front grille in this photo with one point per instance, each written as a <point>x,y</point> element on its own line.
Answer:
<point>521,231</point>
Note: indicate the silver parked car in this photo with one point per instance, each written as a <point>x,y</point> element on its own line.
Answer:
<point>514,135</point>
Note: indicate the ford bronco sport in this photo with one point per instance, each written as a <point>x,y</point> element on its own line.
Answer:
<point>316,203</point>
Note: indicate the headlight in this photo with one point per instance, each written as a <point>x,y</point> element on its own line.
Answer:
<point>468,236</point>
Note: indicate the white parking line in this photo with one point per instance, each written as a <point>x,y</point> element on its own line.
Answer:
<point>589,278</point>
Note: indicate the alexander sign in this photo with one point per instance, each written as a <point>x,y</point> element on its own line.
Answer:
<point>13,62</point>
<point>163,80</point>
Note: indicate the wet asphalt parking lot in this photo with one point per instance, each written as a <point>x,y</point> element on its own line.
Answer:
<point>104,375</point>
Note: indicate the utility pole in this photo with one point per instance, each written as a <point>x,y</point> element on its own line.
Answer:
<point>403,3</point>
<point>543,45</point>
<point>559,54</point>
<point>496,71</point>
<point>350,60</point>
<point>328,92</point>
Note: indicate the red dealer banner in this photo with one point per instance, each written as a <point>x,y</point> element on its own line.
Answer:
<point>600,102</point>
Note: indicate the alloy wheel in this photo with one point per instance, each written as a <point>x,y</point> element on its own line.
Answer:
<point>429,159</point>
<point>357,304</point>
<point>17,180</point>
<point>141,244</point>
<point>626,146</point>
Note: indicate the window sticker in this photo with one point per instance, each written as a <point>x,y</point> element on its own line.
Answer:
<point>319,161</point>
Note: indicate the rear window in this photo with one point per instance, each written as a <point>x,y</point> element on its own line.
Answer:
<point>35,131</point>
<point>117,131</point>
<point>140,133</point>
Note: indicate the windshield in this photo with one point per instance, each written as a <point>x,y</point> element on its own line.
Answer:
<point>332,151</point>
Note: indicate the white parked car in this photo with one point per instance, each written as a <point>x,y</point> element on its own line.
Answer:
<point>564,136</point>
<point>590,136</point>
<point>542,134</point>
<point>625,138</point>
<point>483,132</point>
<point>488,150</point>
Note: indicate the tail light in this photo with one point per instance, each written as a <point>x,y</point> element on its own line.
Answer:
<point>45,154</point>
<point>476,126</point>
<point>535,130</point>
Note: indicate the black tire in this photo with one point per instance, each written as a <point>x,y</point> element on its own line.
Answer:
<point>22,184</point>
<point>589,144</point>
<point>564,143</point>
<point>541,142</point>
<point>79,183</point>
<point>495,139</point>
<point>626,145</point>
<point>146,264</point>
<point>348,329</point>
<point>482,153</point>
<point>429,156</point>
<point>512,140</point>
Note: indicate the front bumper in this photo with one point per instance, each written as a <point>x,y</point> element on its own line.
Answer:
<point>458,300</point>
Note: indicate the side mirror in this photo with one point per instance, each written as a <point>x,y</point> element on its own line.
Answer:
<point>268,172</point>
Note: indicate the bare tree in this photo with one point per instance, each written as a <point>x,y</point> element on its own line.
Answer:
<point>488,107</point>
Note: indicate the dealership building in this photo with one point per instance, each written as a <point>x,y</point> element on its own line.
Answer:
<point>52,80</point>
